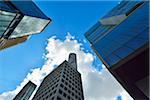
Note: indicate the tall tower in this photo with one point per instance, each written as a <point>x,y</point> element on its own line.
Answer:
<point>26,91</point>
<point>72,60</point>
<point>121,41</point>
<point>63,83</point>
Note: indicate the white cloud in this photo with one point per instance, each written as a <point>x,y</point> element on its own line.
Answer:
<point>96,85</point>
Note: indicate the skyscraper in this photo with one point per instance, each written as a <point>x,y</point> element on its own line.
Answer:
<point>121,40</point>
<point>18,20</point>
<point>63,83</point>
<point>26,91</point>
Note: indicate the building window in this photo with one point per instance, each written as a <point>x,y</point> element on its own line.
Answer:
<point>66,83</point>
<point>54,91</point>
<point>60,91</point>
<point>79,93</point>
<point>68,97</point>
<point>58,98</point>
<point>67,79</point>
<point>63,76</point>
<point>69,91</point>
<point>76,91</point>
<point>72,88</point>
<point>64,95</point>
<point>52,88</point>
<point>65,88</point>
<point>61,85</point>
<point>69,86</point>
<point>62,80</point>
<point>72,94</point>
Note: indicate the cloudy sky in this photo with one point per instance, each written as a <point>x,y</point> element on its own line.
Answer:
<point>36,58</point>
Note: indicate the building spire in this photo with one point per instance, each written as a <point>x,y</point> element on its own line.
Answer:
<point>72,60</point>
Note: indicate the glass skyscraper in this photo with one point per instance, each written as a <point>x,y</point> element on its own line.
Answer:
<point>19,19</point>
<point>121,40</point>
<point>63,83</point>
<point>26,91</point>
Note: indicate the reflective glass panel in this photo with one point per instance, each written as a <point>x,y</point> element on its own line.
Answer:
<point>113,59</point>
<point>5,20</point>
<point>123,52</point>
<point>28,26</point>
<point>126,37</point>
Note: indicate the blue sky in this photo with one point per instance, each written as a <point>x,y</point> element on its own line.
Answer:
<point>74,17</point>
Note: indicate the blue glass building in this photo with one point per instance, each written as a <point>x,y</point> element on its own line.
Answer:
<point>18,20</point>
<point>121,40</point>
<point>26,92</point>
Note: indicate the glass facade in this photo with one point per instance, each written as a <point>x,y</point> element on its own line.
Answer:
<point>26,91</point>
<point>6,7</point>
<point>19,19</point>
<point>123,39</point>
<point>125,7</point>
<point>98,31</point>
<point>29,25</point>
<point>5,20</point>
<point>28,8</point>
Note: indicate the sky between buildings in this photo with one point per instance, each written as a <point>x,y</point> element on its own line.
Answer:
<point>69,20</point>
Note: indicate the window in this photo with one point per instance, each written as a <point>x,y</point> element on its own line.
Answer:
<point>63,76</point>
<point>58,98</point>
<point>72,88</point>
<point>72,94</point>
<point>79,93</point>
<point>60,91</point>
<point>78,88</point>
<point>66,83</point>
<point>65,88</point>
<point>52,88</point>
<point>64,95</point>
<point>76,91</point>
<point>62,80</point>
<point>61,85</point>
<point>69,86</point>
<point>69,91</point>
<point>73,84</point>
<point>54,91</point>
<point>69,81</point>
<point>68,97</point>
<point>46,97</point>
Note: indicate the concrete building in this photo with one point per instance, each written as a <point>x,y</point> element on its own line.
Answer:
<point>121,41</point>
<point>26,91</point>
<point>18,20</point>
<point>63,83</point>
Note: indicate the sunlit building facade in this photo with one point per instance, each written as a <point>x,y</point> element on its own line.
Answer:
<point>26,91</point>
<point>121,40</point>
<point>20,19</point>
<point>63,83</point>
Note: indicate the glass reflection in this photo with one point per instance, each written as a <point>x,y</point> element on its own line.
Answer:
<point>28,26</point>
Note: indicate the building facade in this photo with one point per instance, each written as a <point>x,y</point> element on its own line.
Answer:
<point>63,83</point>
<point>26,91</point>
<point>20,19</point>
<point>121,40</point>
